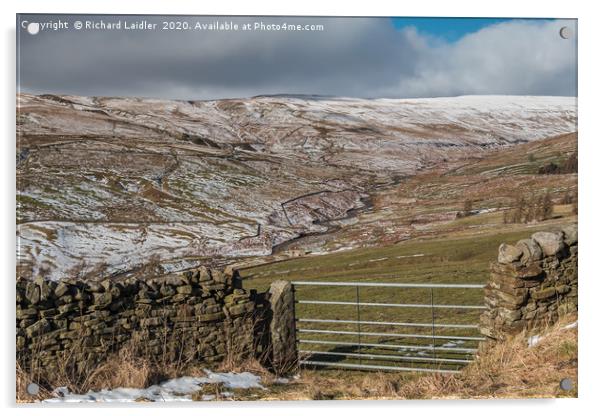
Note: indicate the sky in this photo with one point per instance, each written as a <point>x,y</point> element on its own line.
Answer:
<point>450,29</point>
<point>352,57</point>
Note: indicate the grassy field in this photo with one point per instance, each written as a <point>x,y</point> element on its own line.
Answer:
<point>453,257</point>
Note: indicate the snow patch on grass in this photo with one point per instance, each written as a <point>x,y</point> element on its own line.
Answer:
<point>177,389</point>
<point>536,339</point>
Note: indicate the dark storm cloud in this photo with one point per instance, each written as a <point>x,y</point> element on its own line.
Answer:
<point>364,57</point>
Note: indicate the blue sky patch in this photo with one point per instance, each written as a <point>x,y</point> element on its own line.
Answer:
<point>448,28</point>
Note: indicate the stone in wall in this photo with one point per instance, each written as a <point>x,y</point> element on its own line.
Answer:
<point>532,283</point>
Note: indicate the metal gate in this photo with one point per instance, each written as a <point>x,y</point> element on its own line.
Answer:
<point>355,325</point>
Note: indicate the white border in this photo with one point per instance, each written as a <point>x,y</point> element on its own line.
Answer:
<point>590,139</point>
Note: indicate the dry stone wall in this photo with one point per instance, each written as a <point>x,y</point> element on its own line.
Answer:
<point>532,283</point>
<point>201,316</point>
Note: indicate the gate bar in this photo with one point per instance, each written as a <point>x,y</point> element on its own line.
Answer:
<point>389,346</point>
<point>388,357</point>
<point>420,325</point>
<point>397,305</point>
<point>402,285</point>
<point>384,334</point>
<point>376,367</point>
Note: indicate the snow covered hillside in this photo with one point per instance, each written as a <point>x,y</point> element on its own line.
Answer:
<point>107,184</point>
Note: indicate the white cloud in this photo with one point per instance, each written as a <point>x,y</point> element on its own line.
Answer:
<point>518,57</point>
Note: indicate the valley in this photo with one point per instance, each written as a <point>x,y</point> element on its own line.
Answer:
<point>122,186</point>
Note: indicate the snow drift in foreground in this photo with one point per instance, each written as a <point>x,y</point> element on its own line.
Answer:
<point>177,389</point>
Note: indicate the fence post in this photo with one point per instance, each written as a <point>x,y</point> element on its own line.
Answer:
<point>433,323</point>
<point>283,333</point>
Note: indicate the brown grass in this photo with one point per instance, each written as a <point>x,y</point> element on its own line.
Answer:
<point>123,370</point>
<point>126,368</point>
<point>508,369</point>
